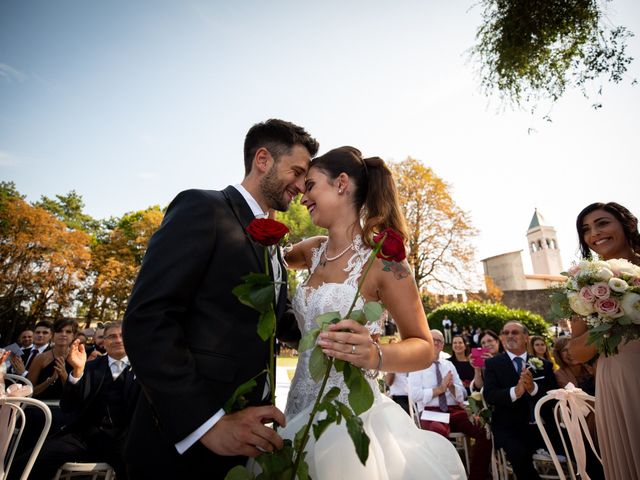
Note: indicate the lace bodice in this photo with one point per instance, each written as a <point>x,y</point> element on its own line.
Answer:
<point>308,303</point>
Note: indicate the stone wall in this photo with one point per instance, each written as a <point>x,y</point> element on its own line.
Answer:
<point>536,301</point>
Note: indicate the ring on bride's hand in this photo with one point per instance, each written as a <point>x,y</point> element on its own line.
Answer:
<point>353,349</point>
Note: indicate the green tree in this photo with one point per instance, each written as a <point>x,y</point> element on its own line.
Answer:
<point>69,209</point>
<point>534,50</point>
<point>116,257</point>
<point>299,222</point>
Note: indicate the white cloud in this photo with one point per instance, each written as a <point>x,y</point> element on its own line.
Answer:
<point>11,74</point>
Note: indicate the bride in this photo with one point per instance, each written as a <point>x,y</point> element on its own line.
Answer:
<point>354,198</point>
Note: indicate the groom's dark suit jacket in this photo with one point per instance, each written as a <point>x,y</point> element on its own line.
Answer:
<point>510,420</point>
<point>190,341</point>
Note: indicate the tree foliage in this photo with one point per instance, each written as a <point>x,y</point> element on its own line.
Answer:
<point>57,260</point>
<point>534,50</point>
<point>439,247</point>
<point>42,263</point>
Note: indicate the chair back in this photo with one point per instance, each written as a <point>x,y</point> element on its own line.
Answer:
<point>12,409</point>
<point>13,379</point>
<point>570,412</point>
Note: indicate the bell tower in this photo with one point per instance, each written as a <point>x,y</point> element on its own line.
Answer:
<point>543,247</point>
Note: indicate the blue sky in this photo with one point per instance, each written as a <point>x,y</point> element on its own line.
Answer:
<point>130,102</point>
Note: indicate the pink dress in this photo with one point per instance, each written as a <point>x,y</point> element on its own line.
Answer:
<point>617,412</point>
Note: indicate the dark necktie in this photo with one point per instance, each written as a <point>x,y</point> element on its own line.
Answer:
<point>519,363</point>
<point>442,398</point>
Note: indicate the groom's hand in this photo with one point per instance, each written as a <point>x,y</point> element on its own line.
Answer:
<point>244,432</point>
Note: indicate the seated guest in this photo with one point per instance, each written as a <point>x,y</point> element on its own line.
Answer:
<point>538,348</point>
<point>439,389</point>
<point>513,387</point>
<point>103,394</point>
<point>41,339</point>
<point>49,370</point>
<point>571,371</point>
<point>490,343</point>
<point>398,386</point>
<point>460,360</point>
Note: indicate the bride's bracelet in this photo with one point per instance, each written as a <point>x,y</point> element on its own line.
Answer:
<point>373,374</point>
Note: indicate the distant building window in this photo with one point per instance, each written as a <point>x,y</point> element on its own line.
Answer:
<point>534,247</point>
<point>539,244</point>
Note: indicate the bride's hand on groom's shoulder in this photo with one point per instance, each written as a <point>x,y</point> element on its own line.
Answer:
<point>245,433</point>
<point>348,340</point>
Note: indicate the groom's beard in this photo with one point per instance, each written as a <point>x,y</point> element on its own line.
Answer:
<point>273,189</point>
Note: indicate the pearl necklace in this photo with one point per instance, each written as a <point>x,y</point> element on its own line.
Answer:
<point>331,259</point>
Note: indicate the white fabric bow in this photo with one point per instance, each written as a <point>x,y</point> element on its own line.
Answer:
<point>574,406</point>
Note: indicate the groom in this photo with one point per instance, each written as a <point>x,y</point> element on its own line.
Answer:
<point>190,341</point>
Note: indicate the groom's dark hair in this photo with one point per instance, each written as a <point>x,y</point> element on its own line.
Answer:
<point>277,136</point>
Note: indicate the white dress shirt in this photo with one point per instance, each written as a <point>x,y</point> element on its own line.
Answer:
<point>112,367</point>
<point>183,445</point>
<point>423,382</point>
<point>512,390</point>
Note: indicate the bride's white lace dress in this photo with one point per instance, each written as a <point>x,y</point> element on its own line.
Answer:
<point>398,449</point>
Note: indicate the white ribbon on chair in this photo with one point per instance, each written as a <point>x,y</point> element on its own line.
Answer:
<point>8,419</point>
<point>573,405</point>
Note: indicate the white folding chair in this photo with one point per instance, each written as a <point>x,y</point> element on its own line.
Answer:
<point>570,412</point>
<point>94,470</point>
<point>12,409</point>
<point>12,378</point>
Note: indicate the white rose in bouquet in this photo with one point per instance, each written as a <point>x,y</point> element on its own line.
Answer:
<point>578,305</point>
<point>621,266</point>
<point>630,303</point>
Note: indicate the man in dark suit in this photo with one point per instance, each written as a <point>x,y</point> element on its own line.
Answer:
<point>191,342</point>
<point>42,334</point>
<point>102,395</point>
<point>513,386</point>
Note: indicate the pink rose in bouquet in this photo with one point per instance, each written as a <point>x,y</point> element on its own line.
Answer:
<point>609,307</point>
<point>601,290</point>
<point>586,295</point>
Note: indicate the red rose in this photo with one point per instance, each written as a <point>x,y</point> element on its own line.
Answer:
<point>266,231</point>
<point>393,246</point>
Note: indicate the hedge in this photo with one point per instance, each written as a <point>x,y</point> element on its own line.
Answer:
<point>492,316</point>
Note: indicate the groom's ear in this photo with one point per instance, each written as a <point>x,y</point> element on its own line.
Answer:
<point>262,160</point>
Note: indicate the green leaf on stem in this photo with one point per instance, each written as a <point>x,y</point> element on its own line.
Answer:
<point>331,395</point>
<point>258,296</point>
<point>321,426</point>
<point>358,316</point>
<point>275,463</point>
<point>309,340</point>
<point>373,311</point>
<point>624,320</point>
<point>605,327</point>
<point>317,364</point>
<point>327,318</point>
<point>339,365</point>
<point>360,393</point>
<point>343,409</point>
<point>239,472</point>
<point>303,468</point>
<point>237,400</point>
<point>267,323</point>
<point>359,437</point>
<point>297,439</point>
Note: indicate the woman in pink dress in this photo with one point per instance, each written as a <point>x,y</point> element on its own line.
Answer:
<point>611,231</point>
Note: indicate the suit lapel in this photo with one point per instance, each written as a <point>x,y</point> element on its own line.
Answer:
<point>244,216</point>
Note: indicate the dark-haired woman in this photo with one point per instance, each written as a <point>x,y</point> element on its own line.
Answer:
<point>611,231</point>
<point>491,345</point>
<point>354,198</point>
<point>460,360</point>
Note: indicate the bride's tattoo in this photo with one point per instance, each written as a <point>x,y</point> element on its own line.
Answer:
<point>400,270</point>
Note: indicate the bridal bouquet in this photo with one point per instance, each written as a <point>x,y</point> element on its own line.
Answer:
<point>607,295</point>
<point>289,462</point>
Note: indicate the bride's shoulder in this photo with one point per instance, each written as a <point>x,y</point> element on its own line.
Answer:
<point>301,253</point>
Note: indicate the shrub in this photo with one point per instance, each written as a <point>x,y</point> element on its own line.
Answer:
<point>490,316</point>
